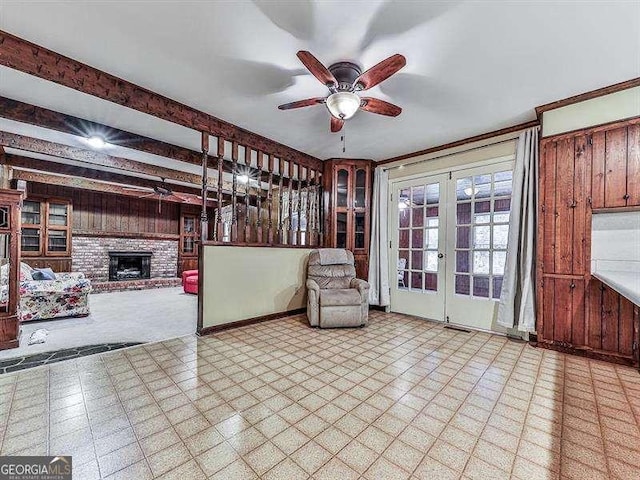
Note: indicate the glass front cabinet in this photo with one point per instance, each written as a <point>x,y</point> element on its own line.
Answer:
<point>189,237</point>
<point>9,267</point>
<point>46,228</point>
<point>347,208</point>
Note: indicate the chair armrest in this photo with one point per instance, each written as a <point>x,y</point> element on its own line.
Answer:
<point>361,285</point>
<point>313,285</point>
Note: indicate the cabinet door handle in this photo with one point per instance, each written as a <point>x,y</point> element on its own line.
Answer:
<point>572,286</point>
<point>626,196</point>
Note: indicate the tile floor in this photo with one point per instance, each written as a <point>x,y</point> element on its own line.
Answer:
<point>400,399</point>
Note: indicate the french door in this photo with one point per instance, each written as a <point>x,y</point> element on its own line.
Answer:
<point>418,244</point>
<point>449,245</point>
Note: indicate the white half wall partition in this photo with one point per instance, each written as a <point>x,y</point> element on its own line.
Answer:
<point>242,283</point>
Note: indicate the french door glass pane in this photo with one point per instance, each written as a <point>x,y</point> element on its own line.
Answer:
<point>418,223</point>
<point>482,232</point>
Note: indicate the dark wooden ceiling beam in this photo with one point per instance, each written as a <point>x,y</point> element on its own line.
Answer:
<point>41,62</point>
<point>60,122</point>
<point>96,186</point>
<point>45,147</point>
<point>48,166</point>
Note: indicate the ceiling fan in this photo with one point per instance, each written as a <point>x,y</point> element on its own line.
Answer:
<point>344,80</point>
<point>162,191</point>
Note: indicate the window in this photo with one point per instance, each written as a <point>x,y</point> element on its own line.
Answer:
<point>483,203</point>
<point>46,228</point>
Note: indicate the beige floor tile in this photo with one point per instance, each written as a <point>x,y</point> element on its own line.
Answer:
<point>119,459</point>
<point>334,469</point>
<point>238,469</point>
<point>286,470</point>
<point>385,470</point>
<point>189,470</point>
<point>311,456</point>
<point>264,458</point>
<point>216,458</point>
<point>139,470</point>
<point>290,440</point>
<point>165,460</point>
<point>333,439</point>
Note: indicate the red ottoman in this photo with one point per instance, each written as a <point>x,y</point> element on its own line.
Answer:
<point>190,281</point>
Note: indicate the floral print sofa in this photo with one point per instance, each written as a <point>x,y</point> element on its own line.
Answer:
<point>66,296</point>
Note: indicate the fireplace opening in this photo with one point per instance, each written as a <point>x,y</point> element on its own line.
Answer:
<point>129,265</point>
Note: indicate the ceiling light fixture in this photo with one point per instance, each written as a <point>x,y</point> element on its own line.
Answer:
<point>403,204</point>
<point>343,105</point>
<point>243,178</point>
<point>96,141</point>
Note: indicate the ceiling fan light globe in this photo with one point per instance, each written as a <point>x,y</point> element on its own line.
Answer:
<point>343,105</point>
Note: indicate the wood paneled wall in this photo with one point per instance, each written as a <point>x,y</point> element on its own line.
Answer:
<point>95,212</point>
<point>581,172</point>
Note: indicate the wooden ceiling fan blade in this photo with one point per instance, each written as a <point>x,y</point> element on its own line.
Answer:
<point>301,103</point>
<point>317,69</point>
<point>375,105</point>
<point>137,189</point>
<point>380,72</point>
<point>336,124</point>
<point>148,195</point>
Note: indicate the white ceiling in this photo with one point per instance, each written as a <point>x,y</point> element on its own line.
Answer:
<point>472,66</point>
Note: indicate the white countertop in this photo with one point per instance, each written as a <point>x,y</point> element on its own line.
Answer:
<point>627,283</point>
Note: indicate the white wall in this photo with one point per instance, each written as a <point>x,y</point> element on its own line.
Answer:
<point>247,282</point>
<point>605,109</point>
<point>615,241</point>
<point>496,147</point>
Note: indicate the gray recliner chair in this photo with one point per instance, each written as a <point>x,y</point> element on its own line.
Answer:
<point>336,298</point>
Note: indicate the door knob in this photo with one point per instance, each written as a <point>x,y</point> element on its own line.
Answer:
<point>441,255</point>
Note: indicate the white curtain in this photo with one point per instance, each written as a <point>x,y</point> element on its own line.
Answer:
<point>379,249</point>
<point>517,301</point>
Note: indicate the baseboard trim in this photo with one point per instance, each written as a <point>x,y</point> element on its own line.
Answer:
<point>249,321</point>
<point>588,353</point>
<point>377,308</point>
<point>9,344</point>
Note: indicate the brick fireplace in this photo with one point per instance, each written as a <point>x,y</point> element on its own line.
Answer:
<point>91,255</point>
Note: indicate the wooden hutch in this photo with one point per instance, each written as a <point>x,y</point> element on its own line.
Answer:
<point>9,267</point>
<point>347,187</point>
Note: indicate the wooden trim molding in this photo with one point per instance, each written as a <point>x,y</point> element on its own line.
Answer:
<point>634,82</point>
<point>250,321</point>
<point>27,57</point>
<point>266,245</point>
<point>464,141</point>
<point>143,235</point>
